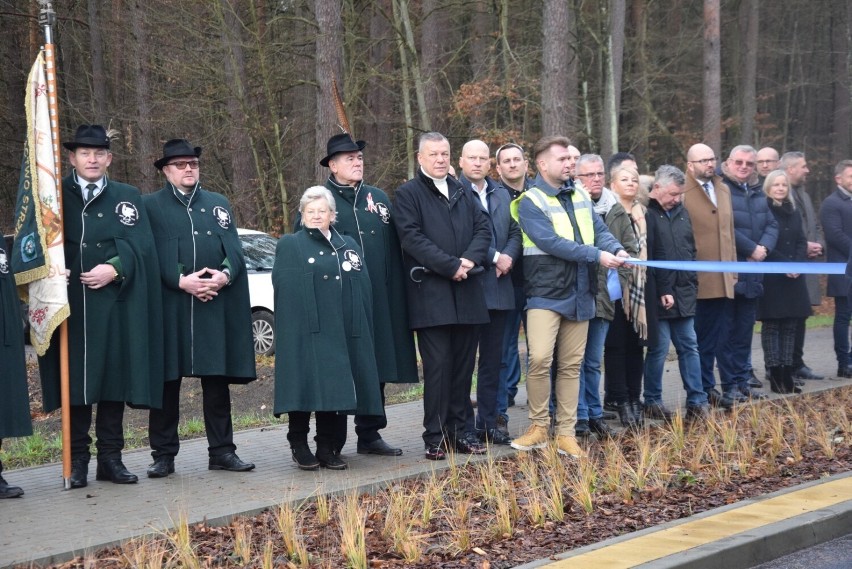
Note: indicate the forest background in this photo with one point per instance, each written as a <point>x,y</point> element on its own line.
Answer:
<point>251,81</point>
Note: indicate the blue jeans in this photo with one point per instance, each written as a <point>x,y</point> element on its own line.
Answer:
<point>712,319</point>
<point>589,403</point>
<point>510,367</point>
<point>681,331</point>
<point>734,369</point>
<point>842,314</point>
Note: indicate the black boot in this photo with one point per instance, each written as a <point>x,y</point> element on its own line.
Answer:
<point>303,456</point>
<point>7,491</point>
<point>329,458</point>
<point>636,411</point>
<point>625,413</point>
<point>775,379</point>
<point>787,380</point>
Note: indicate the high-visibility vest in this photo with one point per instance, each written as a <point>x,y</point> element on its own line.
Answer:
<point>553,209</point>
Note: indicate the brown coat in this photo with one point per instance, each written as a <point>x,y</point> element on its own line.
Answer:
<point>713,227</point>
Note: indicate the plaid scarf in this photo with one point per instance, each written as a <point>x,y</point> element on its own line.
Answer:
<point>634,301</point>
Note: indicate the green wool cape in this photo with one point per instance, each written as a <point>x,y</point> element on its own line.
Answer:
<point>210,338</point>
<point>115,348</point>
<point>15,401</point>
<point>365,214</point>
<point>324,354</point>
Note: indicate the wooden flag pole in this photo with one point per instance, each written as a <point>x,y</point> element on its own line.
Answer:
<point>47,19</point>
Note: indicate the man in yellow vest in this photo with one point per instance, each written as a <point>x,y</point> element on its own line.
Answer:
<point>563,241</point>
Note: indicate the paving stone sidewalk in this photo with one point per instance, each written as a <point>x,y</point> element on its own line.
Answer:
<point>51,524</point>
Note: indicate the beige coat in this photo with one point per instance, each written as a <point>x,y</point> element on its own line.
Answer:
<point>713,227</point>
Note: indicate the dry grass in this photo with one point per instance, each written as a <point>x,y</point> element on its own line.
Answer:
<point>459,511</point>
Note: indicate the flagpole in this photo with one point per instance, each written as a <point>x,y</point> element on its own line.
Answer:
<point>47,18</point>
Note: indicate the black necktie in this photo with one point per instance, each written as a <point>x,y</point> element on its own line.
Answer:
<point>91,192</point>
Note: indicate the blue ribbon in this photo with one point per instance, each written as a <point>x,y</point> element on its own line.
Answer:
<point>746,267</point>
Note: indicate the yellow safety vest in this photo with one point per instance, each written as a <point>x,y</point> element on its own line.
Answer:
<point>551,207</point>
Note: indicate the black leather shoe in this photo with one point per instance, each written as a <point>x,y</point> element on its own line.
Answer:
<point>79,473</point>
<point>656,410</point>
<point>636,410</point>
<point>718,400</point>
<point>229,461</point>
<point>752,379</point>
<point>113,470</point>
<point>844,373</point>
<point>303,456</point>
<point>601,429</point>
<point>468,445</point>
<point>805,372</point>
<point>435,452</point>
<point>495,437</point>
<point>736,396</point>
<point>7,491</point>
<point>581,429</point>
<point>378,446</point>
<point>162,467</point>
<point>329,459</point>
<point>609,416</point>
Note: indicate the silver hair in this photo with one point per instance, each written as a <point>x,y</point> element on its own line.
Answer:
<point>315,193</point>
<point>668,174</point>
<point>789,158</point>
<point>430,137</point>
<point>742,148</point>
<point>587,158</point>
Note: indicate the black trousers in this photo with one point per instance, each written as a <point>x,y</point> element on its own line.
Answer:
<point>448,354</point>
<point>331,428</point>
<point>109,432</point>
<point>623,359</point>
<point>163,423</point>
<point>367,427</point>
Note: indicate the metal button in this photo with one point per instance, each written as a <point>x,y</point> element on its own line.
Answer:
<point>195,232</point>
<point>337,278</point>
<point>189,209</point>
<point>209,233</point>
<point>372,232</point>
<point>322,253</point>
<point>325,277</point>
<point>203,210</point>
<point>100,215</point>
<point>84,244</point>
<point>334,254</point>
<point>98,245</point>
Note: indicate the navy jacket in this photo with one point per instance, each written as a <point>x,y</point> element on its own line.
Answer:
<point>505,238</point>
<point>836,217</point>
<point>754,225</point>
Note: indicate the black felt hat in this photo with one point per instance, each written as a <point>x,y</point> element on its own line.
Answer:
<point>177,147</point>
<point>88,136</point>
<point>341,143</point>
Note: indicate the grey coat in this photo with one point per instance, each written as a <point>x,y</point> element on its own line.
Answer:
<point>813,232</point>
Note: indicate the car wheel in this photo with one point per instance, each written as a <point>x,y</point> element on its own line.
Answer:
<point>263,332</point>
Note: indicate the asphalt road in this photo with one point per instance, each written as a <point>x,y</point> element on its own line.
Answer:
<point>836,554</point>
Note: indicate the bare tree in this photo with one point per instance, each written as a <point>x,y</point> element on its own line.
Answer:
<point>434,40</point>
<point>554,73</point>
<point>612,90</point>
<point>712,77</point>
<point>329,65</point>
<point>99,83</point>
<point>144,153</point>
<point>751,30</point>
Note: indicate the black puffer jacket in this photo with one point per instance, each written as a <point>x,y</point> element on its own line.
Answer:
<point>785,297</point>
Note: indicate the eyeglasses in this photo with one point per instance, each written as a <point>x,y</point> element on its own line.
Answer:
<point>704,161</point>
<point>182,164</point>
<point>765,162</point>
<point>592,175</point>
<point>748,163</point>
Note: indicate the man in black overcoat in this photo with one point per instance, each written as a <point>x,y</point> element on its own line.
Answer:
<point>444,235</point>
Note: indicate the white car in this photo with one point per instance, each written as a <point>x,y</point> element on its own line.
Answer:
<point>259,251</point>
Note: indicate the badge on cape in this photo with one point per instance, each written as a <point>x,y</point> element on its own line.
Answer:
<point>384,212</point>
<point>127,213</point>
<point>28,248</point>
<point>352,262</point>
<point>223,217</point>
<point>4,262</point>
